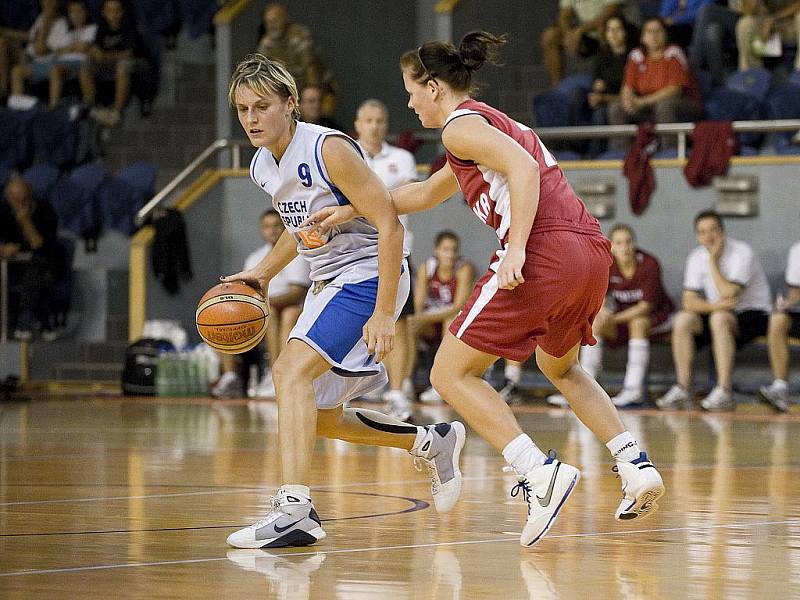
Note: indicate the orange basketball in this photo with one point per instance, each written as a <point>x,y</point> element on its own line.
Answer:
<point>232,317</point>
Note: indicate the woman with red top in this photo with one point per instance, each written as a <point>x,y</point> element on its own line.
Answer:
<point>637,308</point>
<point>541,291</point>
<point>658,85</point>
<point>442,287</point>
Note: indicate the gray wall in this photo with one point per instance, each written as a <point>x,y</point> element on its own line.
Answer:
<point>223,230</point>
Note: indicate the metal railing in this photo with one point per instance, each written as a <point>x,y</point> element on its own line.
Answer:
<point>211,151</point>
<point>681,130</point>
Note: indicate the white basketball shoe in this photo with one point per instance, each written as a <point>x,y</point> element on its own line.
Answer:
<point>642,486</point>
<point>546,489</point>
<point>439,454</point>
<point>291,521</point>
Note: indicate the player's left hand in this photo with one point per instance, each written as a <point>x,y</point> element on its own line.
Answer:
<point>322,221</point>
<point>379,335</point>
<point>509,275</point>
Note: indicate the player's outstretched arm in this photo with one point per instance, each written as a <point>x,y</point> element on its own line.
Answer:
<point>283,252</point>
<point>370,198</point>
<point>471,138</point>
<point>409,198</point>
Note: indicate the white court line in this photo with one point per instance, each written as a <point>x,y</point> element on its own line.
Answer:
<point>239,490</point>
<point>401,547</point>
<point>592,470</point>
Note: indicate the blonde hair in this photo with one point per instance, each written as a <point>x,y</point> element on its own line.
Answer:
<point>264,77</point>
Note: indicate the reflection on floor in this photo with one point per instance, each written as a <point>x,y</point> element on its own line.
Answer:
<point>134,498</point>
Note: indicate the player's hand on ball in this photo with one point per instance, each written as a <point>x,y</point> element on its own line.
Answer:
<point>251,277</point>
<point>379,335</point>
<point>322,221</point>
<point>509,275</point>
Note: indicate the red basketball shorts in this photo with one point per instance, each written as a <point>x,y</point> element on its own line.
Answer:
<point>566,276</point>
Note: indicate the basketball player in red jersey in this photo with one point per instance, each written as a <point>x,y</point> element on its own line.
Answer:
<point>541,292</point>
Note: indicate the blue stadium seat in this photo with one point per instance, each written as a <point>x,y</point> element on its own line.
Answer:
<point>5,175</point>
<point>726,104</point>
<point>551,109</point>
<point>752,82</point>
<point>156,17</point>
<point>141,175</point>
<point>15,137</point>
<point>42,178</point>
<point>573,83</point>
<point>74,198</point>
<point>198,16</point>
<point>794,77</point>
<point>562,155</point>
<point>784,103</point>
<point>54,137</point>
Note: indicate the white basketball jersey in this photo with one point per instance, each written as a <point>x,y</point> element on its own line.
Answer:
<point>300,186</point>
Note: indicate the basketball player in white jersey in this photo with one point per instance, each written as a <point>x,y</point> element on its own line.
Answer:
<point>360,282</point>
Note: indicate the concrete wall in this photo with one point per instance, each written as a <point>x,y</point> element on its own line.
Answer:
<point>223,229</point>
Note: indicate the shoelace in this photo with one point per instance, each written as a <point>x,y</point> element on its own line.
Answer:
<point>423,463</point>
<point>525,487</point>
<point>274,505</point>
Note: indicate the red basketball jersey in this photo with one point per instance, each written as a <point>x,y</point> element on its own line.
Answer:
<point>487,194</point>
<point>441,294</point>
<point>645,285</point>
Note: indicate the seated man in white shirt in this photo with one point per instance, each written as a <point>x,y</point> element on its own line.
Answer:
<point>395,167</point>
<point>732,311</point>
<point>286,293</point>
<point>784,323</point>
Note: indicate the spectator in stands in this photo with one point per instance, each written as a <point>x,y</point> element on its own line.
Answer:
<point>657,85</point>
<point>29,227</point>
<point>734,311</point>
<point>713,35</point>
<point>111,58</point>
<point>679,17</point>
<point>67,43</point>
<point>395,167</point>
<point>441,289</point>
<point>286,294</point>
<point>288,42</point>
<point>608,74</point>
<point>783,324</point>
<point>312,99</point>
<point>12,50</point>
<point>48,30</point>
<point>637,308</point>
<point>761,20</point>
<point>576,33</point>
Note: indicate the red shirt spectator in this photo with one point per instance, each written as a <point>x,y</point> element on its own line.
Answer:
<point>647,75</point>
<point>645,285</point>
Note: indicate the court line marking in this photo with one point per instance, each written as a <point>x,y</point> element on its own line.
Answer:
<point>398,547</point>
<point>591,470</point>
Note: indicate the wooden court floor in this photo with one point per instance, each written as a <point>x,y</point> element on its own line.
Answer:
<point>126,498</point>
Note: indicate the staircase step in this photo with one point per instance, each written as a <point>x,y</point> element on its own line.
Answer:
<point>87,371</point>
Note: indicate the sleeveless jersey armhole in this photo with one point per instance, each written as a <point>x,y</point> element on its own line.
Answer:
<point>340,197</point>
<point>453,116</point>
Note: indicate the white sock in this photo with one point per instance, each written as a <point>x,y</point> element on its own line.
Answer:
<point>624,447</point>
<point>780,384</point>
<point>297,490</point>
<point>513,373</point>
<point>522,454</point>
<point>638,359</point>
<point>592,358</point>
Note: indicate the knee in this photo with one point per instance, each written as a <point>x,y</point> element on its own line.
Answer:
<point>441,377</point>
<point>601,321</point>
<point>282,370</point>
<point>639,327</point>
<point>721,321</point>
<point>685,322</point>
<point>551,38</point>
<point>778,323</point>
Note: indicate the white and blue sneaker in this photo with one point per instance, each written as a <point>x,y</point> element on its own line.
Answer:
<point>439,454</point>
<point>291,521</point>
<point>545,488</point>
<point>642,486</point>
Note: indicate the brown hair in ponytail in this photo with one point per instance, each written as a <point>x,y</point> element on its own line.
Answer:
<point>454,66</point>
